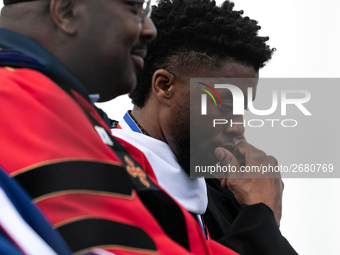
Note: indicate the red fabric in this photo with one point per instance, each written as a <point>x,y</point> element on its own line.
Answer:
<point>88,107</point>
<point>140,157</point>
<point>42,124</point>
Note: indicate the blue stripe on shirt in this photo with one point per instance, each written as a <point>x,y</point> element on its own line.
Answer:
<point>131,123</point>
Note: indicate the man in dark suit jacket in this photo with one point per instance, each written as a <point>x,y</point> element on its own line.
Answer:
<point>199,39</point>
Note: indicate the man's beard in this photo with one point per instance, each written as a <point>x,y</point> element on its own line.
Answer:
<point>180,134</point>
<point>182,146</point>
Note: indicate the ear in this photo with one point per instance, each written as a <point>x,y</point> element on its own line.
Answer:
<point>163,86</point>
<point>63,15</point>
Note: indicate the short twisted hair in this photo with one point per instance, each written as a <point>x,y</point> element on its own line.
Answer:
<point>194,32</point>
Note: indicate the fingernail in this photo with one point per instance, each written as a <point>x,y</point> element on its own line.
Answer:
<point>219,153</point>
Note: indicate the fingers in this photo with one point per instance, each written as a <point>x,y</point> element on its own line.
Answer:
<point>250,156</point>
<point>272,161</point>
<point>248,186</point>
<point>247,152</point>
<point>243,148</point>
<point>226,158</point>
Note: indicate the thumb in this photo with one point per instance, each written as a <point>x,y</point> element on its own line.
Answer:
<point>226,158</point>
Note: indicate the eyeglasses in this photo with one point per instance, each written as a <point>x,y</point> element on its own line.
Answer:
<point>144,9</point>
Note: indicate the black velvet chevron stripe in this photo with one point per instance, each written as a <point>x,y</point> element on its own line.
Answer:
<point>87,233</point>
<point>174,226</point>
<point>15,1</point>
<point>75,175</point>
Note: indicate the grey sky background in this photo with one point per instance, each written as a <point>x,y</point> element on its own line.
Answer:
<point>306,35</point>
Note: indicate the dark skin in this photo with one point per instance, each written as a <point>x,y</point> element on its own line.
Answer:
<point>170,96</point>
<point>102,42</point>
